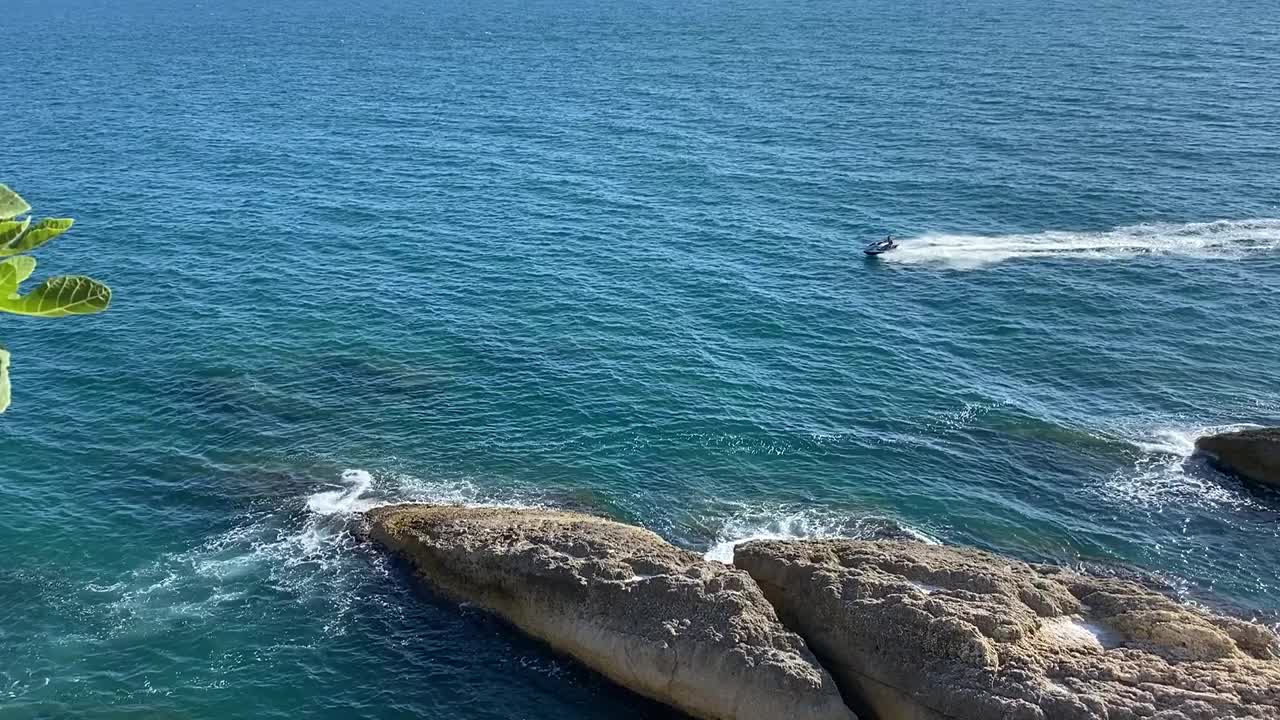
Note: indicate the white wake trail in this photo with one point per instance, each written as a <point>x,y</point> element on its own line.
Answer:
<point>1221,239</point>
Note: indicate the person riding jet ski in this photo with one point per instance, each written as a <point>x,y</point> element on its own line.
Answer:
<point>881,246</point>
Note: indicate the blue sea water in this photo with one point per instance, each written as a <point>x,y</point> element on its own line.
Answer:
<point>606,255</point>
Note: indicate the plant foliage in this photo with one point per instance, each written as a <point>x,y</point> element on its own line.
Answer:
<point>56,297</point>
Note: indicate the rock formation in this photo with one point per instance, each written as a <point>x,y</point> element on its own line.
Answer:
<point>916,631</point>
<point>1252,454</point>
<point>694,634</point>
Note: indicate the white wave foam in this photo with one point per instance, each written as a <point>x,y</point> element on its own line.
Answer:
<point>1160,476</point>
<point>347,500</point>
<point>784,522</point>
<point>1181,441</point>
<point>1223,239</point>
<point>305,550</point>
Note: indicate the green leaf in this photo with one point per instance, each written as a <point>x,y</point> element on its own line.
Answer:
<point>39,234</point>
<point>60,296</point>
<point>11,229</point>
<point>4,380</point>
<point>13,271</point>
<point>11,203</point>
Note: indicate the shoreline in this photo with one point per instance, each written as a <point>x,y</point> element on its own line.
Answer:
<point>1007,622</point>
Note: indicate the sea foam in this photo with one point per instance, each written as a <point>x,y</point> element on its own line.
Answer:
<point>347,500</point>
<point>304,550</point>
<point>1165,473</point>
<point>785,522</point>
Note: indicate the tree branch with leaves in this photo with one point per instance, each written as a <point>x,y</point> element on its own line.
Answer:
<point>56,297</point>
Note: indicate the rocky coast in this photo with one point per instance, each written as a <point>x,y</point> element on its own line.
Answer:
<point>838,629</point>
<point>695,634</point>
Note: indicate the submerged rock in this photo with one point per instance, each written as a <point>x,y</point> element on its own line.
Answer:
<point>661,621</point>
<point>921,631</point>
<point>1251,454</point>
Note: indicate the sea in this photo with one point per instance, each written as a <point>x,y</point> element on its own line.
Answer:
<point>607,255</point>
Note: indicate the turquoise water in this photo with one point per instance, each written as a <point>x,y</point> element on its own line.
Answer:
<point>605,255</point>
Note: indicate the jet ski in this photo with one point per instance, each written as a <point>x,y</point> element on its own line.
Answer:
<point>880,247</point>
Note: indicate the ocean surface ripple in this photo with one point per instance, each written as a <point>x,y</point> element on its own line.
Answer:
<point>607,256</point>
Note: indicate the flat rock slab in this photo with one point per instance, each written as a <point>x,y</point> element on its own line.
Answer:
<point>920,631</point>
<point>697,635</point>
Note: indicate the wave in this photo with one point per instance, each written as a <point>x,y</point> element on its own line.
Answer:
<point>303,555</point>
<point>788,522</point>
<point>1181,441</point>
<point>761,522</point>
<point>307,550</point>
<point>1221,239</point>
<point>1166,474</point>
<point>346,500</point>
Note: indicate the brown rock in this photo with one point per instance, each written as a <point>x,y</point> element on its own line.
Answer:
<point>661,621</point>
<point>1252,454</point>
<point>920,631</point>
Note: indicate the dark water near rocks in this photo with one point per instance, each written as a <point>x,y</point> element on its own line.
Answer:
<point>606,255</point>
